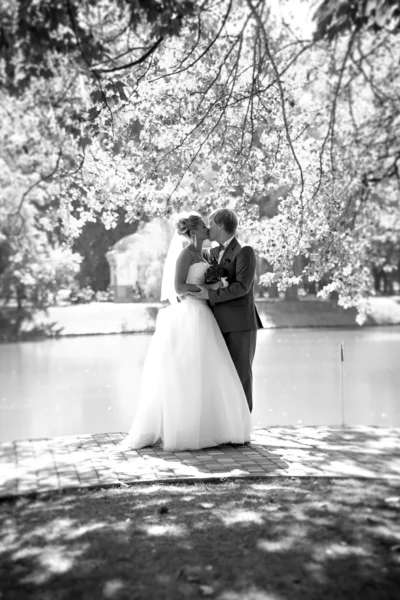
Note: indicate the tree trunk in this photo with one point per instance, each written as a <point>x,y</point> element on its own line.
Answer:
<point>20,296</point>
<point>292,293</point>
<point>273,291</point>
<point>263,266</point>
<point>260,269</point>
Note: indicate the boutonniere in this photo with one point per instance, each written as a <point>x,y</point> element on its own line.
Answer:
<point>227,261</point>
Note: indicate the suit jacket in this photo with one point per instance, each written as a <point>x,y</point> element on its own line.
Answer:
<point>233,307</point>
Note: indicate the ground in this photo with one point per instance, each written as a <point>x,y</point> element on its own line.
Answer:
<point>276,539</point>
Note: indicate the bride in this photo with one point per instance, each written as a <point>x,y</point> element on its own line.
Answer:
<point>191,395</point>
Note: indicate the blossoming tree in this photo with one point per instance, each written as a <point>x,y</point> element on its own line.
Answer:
<point>153,106</point>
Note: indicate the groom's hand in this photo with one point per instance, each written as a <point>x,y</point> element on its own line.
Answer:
<point>202,294</point>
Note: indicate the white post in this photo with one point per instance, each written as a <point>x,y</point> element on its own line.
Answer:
<point>342,380</point>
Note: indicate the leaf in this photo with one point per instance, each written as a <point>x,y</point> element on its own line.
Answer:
<point>74,131</point>
<point>93,113</point>
<point>120,89</point>
<point>135,127</point>
<point>84,142</point>
<point>97,96</point>
<point>117,147</point>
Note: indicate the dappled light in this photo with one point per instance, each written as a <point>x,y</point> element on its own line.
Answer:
<point>91,460</point>
<point>51,561</point>
<point>344,549</point>
<point>112,588</point>
<point>168,530</point>
<point>239,517</point>
<point>251,594</point>
<point>284,539</point>
<point>274,545</point>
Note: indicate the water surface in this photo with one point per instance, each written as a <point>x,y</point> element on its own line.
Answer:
<point>90,384</point>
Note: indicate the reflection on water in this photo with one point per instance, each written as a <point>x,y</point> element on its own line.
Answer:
<point>91,384</point>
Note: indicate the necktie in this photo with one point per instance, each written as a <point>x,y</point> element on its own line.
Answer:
<point>215,252</point>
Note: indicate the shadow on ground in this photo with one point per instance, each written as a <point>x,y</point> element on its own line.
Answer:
<point>279,539</point>
<point>336,452</point>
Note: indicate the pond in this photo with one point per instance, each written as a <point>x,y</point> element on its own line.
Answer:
<point>90,384</point>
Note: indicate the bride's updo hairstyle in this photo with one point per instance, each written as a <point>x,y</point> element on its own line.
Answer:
<point>185,224</point>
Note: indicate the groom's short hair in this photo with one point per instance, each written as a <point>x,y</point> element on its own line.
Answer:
<point>227,218</point>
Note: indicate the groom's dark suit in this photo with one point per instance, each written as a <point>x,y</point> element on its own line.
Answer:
<point>235,311</point>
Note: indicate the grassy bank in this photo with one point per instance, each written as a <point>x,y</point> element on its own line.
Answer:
<point>106,318</point>
<point>302,539</point>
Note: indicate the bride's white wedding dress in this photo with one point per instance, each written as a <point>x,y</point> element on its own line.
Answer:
<point>191,395</point>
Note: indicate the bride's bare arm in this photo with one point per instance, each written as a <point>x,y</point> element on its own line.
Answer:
<point>212,286</point>
<point>182,268</point>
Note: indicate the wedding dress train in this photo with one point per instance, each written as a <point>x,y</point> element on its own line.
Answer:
<point>191,395</point>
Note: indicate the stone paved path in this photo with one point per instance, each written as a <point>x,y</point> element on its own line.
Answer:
<point>44,465</point>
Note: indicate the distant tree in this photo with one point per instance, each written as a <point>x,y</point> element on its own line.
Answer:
<point>93,243</point>
<point>33,272</point>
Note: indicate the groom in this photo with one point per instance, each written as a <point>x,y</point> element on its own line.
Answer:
<point>233,306</point>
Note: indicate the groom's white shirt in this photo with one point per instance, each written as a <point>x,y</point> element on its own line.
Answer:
<point>225,245</point>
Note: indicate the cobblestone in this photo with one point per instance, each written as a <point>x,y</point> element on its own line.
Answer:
<point>53,464</point>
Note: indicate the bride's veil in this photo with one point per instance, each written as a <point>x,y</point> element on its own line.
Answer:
<point>168,279</point>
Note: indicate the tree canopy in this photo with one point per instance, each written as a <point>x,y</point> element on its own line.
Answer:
<point>151,107</point>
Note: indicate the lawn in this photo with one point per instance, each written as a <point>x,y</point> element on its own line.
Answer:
<point>281,539</point>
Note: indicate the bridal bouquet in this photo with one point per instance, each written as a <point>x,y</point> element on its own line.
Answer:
<point>216,273</point>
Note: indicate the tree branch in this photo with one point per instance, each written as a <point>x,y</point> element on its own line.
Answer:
<point>32,186</point>
<point>136,62</point>
<point>281,94</point>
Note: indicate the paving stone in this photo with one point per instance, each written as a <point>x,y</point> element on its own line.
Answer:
<point>92,480</point>
<point>167,475</point>
<point>47,485</point>
<point>90,460</point>
<point>127,478</point>
<point>254,469</point>
<point>221,468</point>
<point>73,475</point>
<point>27,488</point>
<point>10,486</point>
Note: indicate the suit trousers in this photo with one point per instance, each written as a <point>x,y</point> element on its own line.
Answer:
<point>242,347</point>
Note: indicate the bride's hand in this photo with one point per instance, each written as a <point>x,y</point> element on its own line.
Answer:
<point>213,286</point>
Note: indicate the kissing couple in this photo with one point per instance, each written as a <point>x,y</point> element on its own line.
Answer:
<point>196,387</point>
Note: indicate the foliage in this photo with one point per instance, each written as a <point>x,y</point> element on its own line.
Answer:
<point>37,36</point>
<point>34,271</point>
<point>334,18</point>
<point>238,102</point>
<point>34,261</point>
